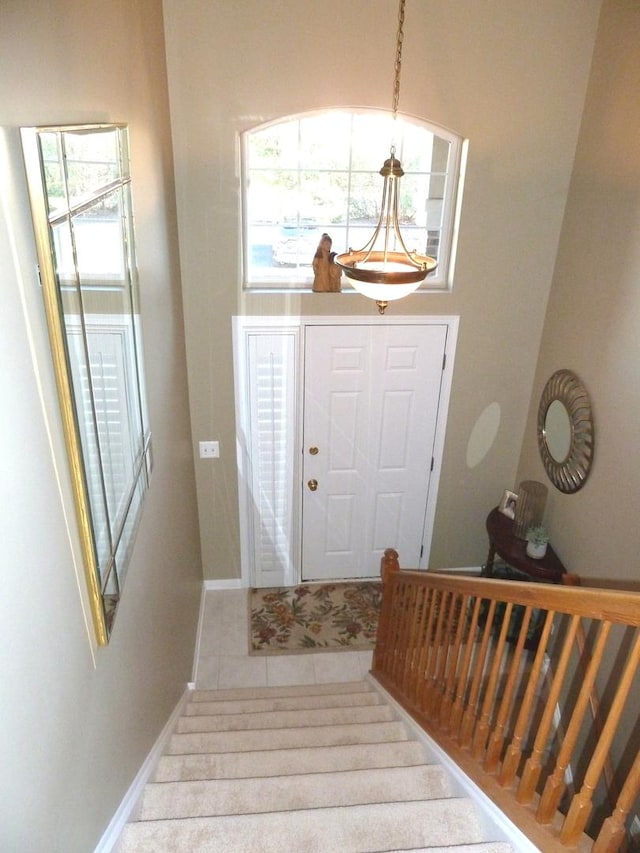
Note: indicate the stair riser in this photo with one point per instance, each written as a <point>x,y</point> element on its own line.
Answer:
<point>286,719</point>
<point>317,790</point>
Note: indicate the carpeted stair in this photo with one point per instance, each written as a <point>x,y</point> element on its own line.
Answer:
<point>316,768</point>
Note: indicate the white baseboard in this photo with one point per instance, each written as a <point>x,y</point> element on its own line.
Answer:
<point>196,652</point>
<point>224,583</point>
<point>132,797</point>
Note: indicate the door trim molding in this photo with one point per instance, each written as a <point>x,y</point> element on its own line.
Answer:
<point>242,327</point>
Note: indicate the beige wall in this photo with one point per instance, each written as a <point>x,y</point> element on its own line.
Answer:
<point>510,76</point>
<point>77,722</point>
<point>593,320</point>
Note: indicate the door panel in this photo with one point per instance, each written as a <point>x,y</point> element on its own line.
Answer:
<point>371,397</point>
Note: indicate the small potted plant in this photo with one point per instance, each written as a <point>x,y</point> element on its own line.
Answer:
<point>537,541</point>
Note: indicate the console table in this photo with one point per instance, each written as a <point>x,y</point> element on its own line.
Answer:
<point>514,551</point>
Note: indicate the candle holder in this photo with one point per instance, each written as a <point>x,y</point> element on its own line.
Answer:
<point>530,506</point>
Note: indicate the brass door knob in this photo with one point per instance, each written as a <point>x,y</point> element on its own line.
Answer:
<point>313,451</point>
<point>313,485</point>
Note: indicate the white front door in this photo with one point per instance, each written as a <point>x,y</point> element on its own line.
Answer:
<point>371,397</point>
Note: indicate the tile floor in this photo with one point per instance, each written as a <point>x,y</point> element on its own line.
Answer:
<point>223,660</point>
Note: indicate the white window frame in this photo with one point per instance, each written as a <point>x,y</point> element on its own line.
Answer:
<point>299,278</point>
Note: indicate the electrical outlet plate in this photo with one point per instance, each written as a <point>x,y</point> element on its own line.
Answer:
<point>209,450</point>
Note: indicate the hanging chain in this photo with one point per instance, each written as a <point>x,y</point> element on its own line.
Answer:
<point>398,63</point>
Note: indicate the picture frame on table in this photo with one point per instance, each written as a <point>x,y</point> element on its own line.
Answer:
<point>508,504</point>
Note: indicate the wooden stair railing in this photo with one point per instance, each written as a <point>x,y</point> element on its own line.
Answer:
<point>502,675</point>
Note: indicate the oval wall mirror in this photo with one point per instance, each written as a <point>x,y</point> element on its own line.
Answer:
<point>565,431</point>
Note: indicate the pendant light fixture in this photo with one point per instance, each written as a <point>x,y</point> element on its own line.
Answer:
<point>384,269</point>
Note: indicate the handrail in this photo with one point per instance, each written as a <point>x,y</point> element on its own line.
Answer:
<point>502,674</point>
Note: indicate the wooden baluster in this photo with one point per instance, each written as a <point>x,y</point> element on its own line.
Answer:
<point>496,740</point>
<point>396,622</point>
<point>613,832</point>
<point>461,689</point>
<point>533,767</point>
<point>446,705</point>
<point>383,654</point>
<point>445,661</point>
<point>395,587</point>
<point>570,579</point>
<point>469,716</point>
<point>407,635</point>
<point>421,622</point>
<point>412,616</point>
<point>481,732</point>
<point>513,754</point>
<point>582,804</point>
<point>381,633</point>
<point>555,784</point>
<point>398,629</point>
<point>438,651</point>
<point>427,652</point>
<point>427,617</point>
<point>403,629</point>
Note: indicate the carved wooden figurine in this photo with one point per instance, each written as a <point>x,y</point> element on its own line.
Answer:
<point>326,273</point>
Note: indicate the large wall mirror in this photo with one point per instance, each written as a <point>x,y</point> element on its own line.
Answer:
<point>80,192</point>
<point>565,431</point>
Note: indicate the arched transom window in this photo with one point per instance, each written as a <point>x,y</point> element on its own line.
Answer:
<point>320,172</point>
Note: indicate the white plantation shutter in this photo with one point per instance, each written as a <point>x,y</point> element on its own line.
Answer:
<point>270,374</point>
<point>110,426</point>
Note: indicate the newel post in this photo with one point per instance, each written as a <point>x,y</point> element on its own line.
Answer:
<point>389,565</point>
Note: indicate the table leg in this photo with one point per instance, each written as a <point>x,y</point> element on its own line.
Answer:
<point>488,569</point>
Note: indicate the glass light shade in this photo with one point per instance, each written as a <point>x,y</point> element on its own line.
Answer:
<point>384,292</point>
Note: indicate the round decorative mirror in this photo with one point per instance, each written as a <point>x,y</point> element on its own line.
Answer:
<point>565,431</point>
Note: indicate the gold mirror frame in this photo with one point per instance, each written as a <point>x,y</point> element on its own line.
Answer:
<point>79,184</point>
<point>568,474</point>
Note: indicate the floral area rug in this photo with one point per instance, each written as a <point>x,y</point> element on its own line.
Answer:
<point>314,618</point>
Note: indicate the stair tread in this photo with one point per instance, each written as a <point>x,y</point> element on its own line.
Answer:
<point>348,829</point>
<point>282,703</point>
<point>271,762</point>
<point>296,791</point>
<point>241,741</point>
<point>311,769</point>
<point>285,719</point>
<point>203,695</point>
